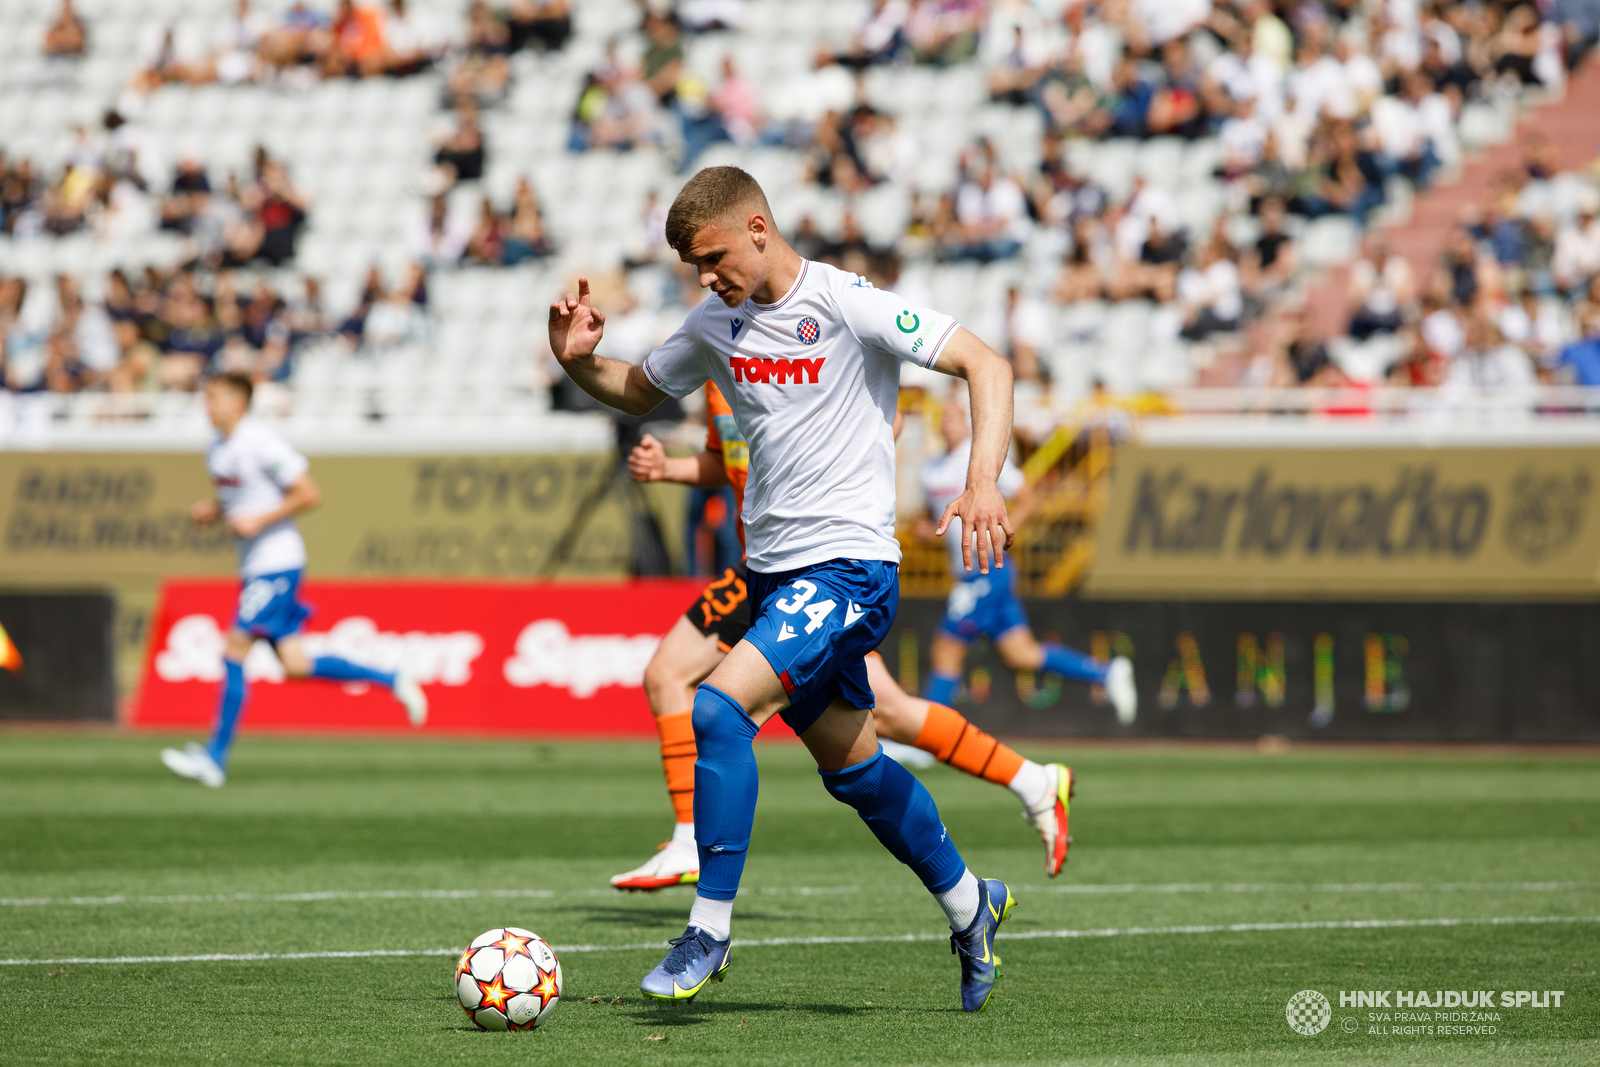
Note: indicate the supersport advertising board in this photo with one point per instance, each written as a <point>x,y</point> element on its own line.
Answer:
<point>546,659</point>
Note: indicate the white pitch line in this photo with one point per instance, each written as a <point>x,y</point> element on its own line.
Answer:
<point>770,942</point>
<point>1085,889</point>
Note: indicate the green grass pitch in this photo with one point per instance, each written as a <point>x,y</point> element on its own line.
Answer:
<point>327,846</point>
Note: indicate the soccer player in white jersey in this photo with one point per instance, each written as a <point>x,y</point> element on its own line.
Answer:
<point>807,355</point>
<point>987,605</point>
<point>913,731</point>
<point>261,485</point>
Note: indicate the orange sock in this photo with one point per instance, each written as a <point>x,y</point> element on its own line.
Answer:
<point>953,740</point>
<point>677,759</point>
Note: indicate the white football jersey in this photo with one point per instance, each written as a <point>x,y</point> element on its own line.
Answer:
<point>252,468</point>
<point>812,381</point>
<point>943,479</point>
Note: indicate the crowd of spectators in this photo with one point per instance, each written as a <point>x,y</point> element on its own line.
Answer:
<point>493,238</point>
<point>1513,301</point>
<point>349,39</point>
<point>103,188</point>
<point>165,330</point>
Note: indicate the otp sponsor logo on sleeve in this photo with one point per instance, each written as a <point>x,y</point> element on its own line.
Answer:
<point>534,659</point>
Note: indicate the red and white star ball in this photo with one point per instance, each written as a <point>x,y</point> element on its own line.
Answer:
<point>509,979</point>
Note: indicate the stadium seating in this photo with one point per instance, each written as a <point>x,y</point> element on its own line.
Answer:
<point>361,150</point>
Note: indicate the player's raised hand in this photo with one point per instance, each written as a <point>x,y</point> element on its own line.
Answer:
<point>985,526</point>
<point>205,512</point>
<point>648,460</point>
<point>575,325</point>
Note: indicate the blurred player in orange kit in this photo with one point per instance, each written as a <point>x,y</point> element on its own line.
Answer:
<point>915,731</point>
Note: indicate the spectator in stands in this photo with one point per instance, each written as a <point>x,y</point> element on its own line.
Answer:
<point>437,239</point>
<point>1488,361</point>
<point>1344,177</point>
<point>615,108</point>
<point>396,318</point>
<point>991,217</point>
<point>1305,355</point>
<point>945,32</point>
<point>544,23</point>
<point>524,235</point>
<point>66,37</point>
<point>663,59</point>
<point>1121,111</point>
<point>1080,277</point>
<point>880,38</point>
<point>354,324</point>
<point>1015,75</point>
<point>412,44</point>
<point>1381,291</point>
<point>487,244</point>
<point>193,336</point>
<point>1174,108</point>
<point>190,191</point>
<point>1578,363</point>
<point>302,38</point>
<point>460,156</point>
<point>275,214</point>
<point>482,71</point>
<point>357,46</point>
<point>1269,266</point>
<point>1209,292</point>
<point>1532,325</point>
<point>1577,253</point>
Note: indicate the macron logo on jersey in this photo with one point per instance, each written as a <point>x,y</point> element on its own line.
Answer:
<point>780,371</point>
<point>737,324</point>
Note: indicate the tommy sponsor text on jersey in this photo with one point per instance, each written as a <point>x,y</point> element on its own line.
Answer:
<point>812,381</point>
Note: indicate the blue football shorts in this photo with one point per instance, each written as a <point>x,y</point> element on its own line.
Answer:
<point>270,607</point>
<point>815,625</point>
<point>984,605</point>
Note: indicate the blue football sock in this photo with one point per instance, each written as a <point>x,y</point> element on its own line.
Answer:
<point>1072,664</point>
<point>901,813</point>
<point>337,669</point>
<point>228,710</point>
<point>725,785</point>
<point>941,688</point>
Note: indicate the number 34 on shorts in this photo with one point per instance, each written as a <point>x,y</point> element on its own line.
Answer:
<point>816,611</point>
<point>813,621</point>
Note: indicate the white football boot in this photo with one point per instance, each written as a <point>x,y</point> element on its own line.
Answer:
<point>194,762</point>
<point>1120,690</point>
<point>408,692</point>
<point>908,756</point>
<point>677,863</point>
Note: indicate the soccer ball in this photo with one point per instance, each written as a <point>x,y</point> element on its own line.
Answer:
<point>508,979</point>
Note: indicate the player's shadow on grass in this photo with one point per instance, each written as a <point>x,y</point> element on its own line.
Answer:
<point>694,1013</point>
<point>669,912</point>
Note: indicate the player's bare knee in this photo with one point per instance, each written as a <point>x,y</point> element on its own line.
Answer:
<point>666,687</point>
<point>889,720</point>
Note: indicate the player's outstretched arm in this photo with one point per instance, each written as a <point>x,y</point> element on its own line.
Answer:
<point>986,530</point>
<point>575,330</point>
<point>649,462</point>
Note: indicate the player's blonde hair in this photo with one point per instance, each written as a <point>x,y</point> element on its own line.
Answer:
<point>712,196</point>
